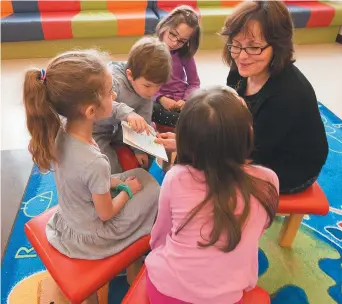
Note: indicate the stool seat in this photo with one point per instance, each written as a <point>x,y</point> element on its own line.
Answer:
<point>126,157</point>
<point>137,293</point>
<point>78,279</point>
<point>164,129</point>
<point>310,201</point>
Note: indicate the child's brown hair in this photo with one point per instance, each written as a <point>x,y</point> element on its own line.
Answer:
<point>214,135</point>
<point>151,59</point>
<point>182,14</point>
<point>71,80</point>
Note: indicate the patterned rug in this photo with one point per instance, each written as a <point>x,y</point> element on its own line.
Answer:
<point>310,272</point>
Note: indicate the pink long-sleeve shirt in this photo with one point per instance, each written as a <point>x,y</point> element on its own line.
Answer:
<point>177,267</point>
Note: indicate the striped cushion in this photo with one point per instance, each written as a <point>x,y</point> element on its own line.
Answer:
<point>50,20</point>
<point>57,19</point>
<point>21,27</point>
<point>6,8</point>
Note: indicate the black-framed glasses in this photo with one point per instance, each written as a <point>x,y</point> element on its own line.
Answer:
<point>174,38</point>
<point>250,50</point>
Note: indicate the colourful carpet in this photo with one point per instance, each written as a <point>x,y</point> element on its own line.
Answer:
<point>310,272</point>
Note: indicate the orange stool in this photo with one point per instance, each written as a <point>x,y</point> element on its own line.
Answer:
<point>126,158</point>
<point>79,279</point>
<point>137,293</point>
<point>295,206</point>
<point>164,129</point>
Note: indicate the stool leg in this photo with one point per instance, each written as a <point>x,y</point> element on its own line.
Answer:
<point>91,300</point>
<point>289,229</point>
<point>133,270</point>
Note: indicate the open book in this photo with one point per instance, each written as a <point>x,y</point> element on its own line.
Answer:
<point>143,141</point>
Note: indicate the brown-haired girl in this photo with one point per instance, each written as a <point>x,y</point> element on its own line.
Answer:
<point>180,31</point>
<point>213,206</point>
<point>88,223</point>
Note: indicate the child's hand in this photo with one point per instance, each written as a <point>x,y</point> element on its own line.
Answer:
<point>138,123</point>
<point>180,104</point>
<point>167,103</point>
<point>134,184</point>
<point>142,159</point>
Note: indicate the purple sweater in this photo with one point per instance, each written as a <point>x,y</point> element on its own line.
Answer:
<point>184,78</point>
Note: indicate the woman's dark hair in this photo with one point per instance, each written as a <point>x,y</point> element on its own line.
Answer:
<point>182,14</point>
<point>214,135</point>
<point>276,27</point>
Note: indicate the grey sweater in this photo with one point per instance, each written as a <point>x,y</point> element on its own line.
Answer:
<point>126,102</point>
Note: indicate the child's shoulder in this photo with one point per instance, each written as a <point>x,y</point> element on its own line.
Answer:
<point>263,173</point>
<point>117,65</point>
<point>183,173</point>
<point>118,69</point>
<point>73,151</point>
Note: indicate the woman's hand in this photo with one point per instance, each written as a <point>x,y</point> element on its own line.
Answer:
<point>168,140</point>
<point>134,184</point>
<point>138,123</point>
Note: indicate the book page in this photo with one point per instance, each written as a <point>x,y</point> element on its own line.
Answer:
<point>143,141</point>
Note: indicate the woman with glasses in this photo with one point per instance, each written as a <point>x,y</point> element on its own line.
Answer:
<point>180,31</point>
<point>288,130</point>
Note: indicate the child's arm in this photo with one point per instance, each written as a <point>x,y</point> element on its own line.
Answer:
<point>96,177</point>
<point>162,226</point>
<point>192,76</point>
<point>114,182</point>
<point>106,207</point>
<point>121,110</point>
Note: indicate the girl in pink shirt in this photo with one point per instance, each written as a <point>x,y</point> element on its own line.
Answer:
<point>213,206</point>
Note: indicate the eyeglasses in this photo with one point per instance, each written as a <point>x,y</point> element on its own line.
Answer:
<point>174,38</point>
<point>250,50</point>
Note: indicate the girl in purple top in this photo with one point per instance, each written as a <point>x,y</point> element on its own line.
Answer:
<point>180,31</point>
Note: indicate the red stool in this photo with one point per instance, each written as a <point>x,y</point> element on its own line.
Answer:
<point>79,279</point>
<point>164,129</point>
<point>137,293</point>
<point>295,206</point>
<point>126,158</point>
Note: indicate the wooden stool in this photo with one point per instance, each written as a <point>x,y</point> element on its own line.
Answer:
<point>80,279</point>
<point>295,206</point>
<point>137,293</point>
<point>164,129</point>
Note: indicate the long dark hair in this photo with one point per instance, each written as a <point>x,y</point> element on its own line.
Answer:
<point>214,135</point>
